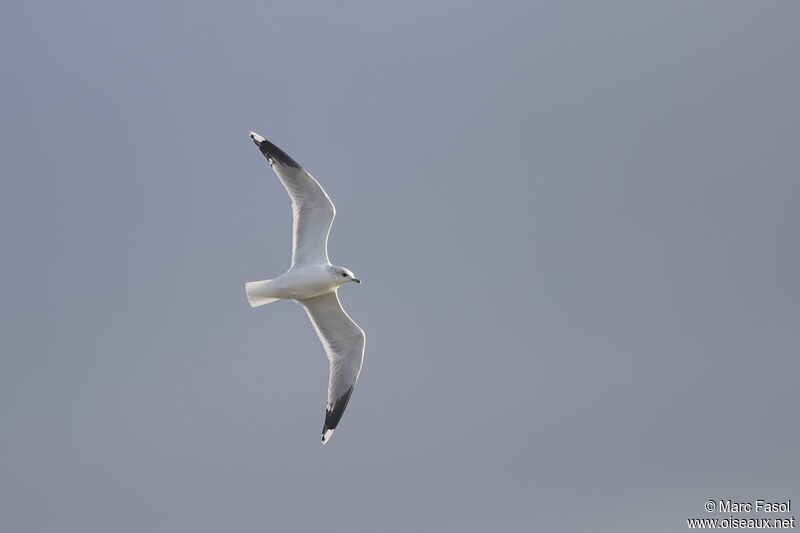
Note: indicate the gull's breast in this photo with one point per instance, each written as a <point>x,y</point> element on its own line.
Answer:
<point>304,282</point>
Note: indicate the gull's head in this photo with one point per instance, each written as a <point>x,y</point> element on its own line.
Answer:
<point>342,275</point>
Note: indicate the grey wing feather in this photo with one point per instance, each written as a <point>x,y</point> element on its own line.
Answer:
<point>344,344</point>
<point>312,209</point>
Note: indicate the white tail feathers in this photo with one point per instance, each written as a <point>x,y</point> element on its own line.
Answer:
<point>257,293</point>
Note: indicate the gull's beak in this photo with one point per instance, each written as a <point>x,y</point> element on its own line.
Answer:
<point>357,280</point>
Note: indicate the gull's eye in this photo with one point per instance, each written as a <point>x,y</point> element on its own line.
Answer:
<point>344,274</point>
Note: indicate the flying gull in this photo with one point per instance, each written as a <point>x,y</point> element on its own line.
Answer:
<point>313,281</point>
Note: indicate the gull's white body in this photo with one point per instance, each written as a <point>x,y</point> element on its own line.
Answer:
<point>294,284</point>
<point>313,281</point>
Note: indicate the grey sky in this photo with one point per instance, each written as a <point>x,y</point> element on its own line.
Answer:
<point>583,217</point>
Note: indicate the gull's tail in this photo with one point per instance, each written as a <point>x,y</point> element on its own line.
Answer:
<point>258,293</point>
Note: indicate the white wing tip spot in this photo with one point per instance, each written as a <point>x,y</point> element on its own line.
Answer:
<point>256,137</point>
<point>326,435</point>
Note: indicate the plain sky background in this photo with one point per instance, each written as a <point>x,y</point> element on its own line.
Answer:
<point>576,223</point>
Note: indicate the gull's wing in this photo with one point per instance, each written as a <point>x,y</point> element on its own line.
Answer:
<point>344,343</point>
<point>312,209</point>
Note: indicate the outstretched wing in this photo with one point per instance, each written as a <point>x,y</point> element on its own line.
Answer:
<point>344,343</point>
<point>312,209</point>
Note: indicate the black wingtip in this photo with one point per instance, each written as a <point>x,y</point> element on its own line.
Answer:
<point>256,138</point>
<point>334,414</point>
<point>272,152</point>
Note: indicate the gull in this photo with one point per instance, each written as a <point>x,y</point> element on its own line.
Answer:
<point>313,281</point>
